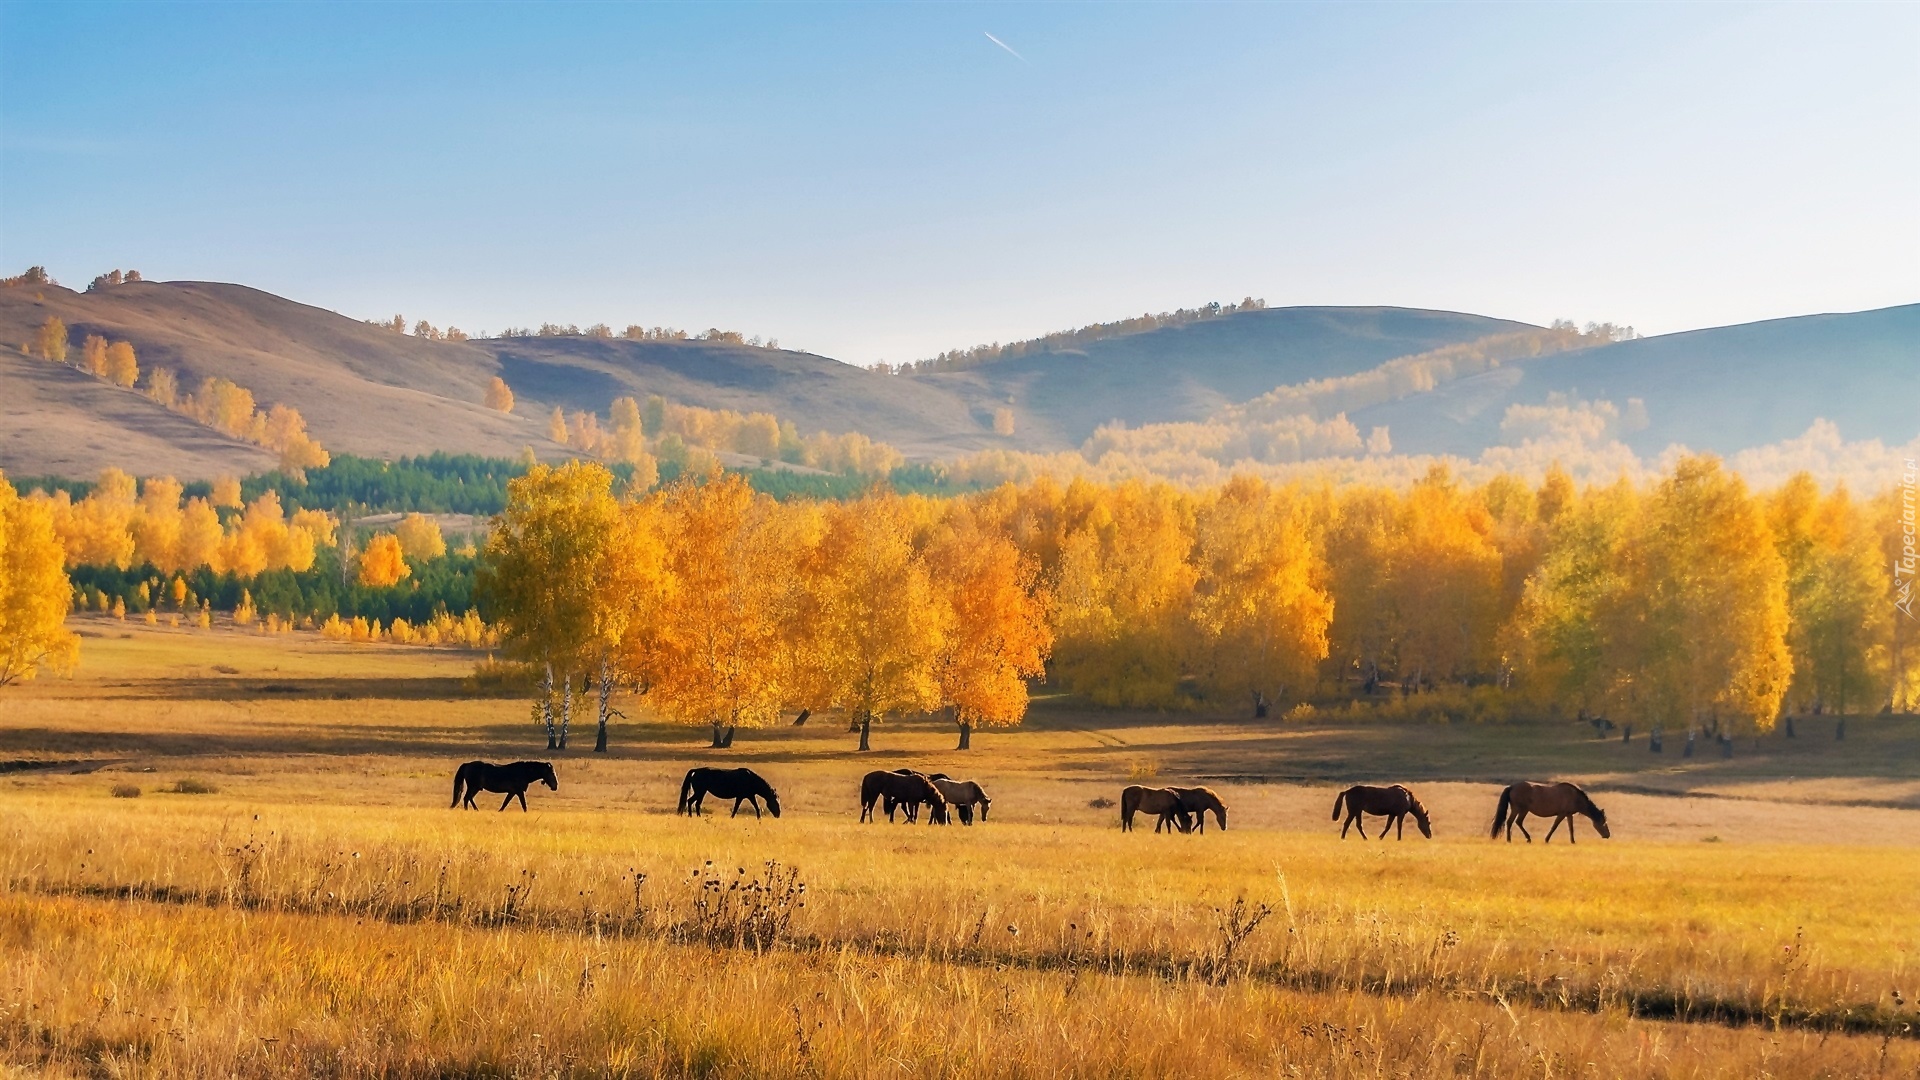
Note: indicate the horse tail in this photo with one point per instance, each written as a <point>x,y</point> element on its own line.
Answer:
<point>459,781</point>
<point>1129,803</point>
<point>1337,800</point>
<point>686,791</point>
<point>1500,812</point>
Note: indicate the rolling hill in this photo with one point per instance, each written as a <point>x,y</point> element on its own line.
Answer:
<point>367,390</point>
<point>1723,389</point>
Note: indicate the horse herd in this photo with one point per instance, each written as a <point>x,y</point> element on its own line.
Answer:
<point>1175,809</point>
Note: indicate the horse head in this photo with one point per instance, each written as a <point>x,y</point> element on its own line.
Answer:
<point>773,800</point>
<point>1600,822</point>
<point>547,777</point>
<point>1421,819</point>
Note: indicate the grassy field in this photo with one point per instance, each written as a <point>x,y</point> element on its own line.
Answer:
<point>289,893</point>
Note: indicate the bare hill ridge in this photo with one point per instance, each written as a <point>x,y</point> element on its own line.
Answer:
<point>367,390</point>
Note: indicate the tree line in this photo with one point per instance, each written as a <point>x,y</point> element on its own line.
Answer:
<point>961,359</point>
<point>1691,603</point>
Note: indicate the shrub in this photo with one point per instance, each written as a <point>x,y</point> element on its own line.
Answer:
<point>126,791</point>
<point>187,785</point>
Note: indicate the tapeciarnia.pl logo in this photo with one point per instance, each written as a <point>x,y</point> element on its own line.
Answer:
<point>1903,567</point>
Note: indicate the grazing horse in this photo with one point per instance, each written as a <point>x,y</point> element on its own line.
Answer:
<point>962,795</point>
<point>1197,801</point>
<point>477,776</point>
<point>1393,803</point>
<point>1159,801</point>
<point>906,788</point>
<point>740,785</point>
<point>1557,801</point>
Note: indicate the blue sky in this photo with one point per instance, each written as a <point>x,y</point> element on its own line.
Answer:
<point>883,181</point>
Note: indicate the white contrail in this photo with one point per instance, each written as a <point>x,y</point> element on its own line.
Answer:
<point>1005,46</point>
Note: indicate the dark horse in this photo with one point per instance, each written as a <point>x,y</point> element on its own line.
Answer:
<point>477,776</point>
<point>961,795</point>
<point>908,789</point>
<point>1557,801</point>
<point>740,785</point>
<point>1163,803</point>
<point>1197,801</point>
<point>1393,803</point>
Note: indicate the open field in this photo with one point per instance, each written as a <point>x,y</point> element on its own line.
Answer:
<point>321,911</point>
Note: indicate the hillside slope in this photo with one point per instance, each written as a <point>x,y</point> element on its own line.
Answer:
<point>1188,372</point>
<point>1722,389</point>
<point>367,390</point>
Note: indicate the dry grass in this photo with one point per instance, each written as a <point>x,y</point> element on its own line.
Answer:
<point>322,912</point>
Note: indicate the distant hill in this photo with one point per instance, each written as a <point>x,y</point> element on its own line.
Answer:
<point>1188,372</point>
<point>1723,389</point>
<point>367,390</point>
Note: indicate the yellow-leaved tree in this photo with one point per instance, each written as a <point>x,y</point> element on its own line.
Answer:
<point>499,395</point>
<point>542,577</point>
<point>383,562</point>
<point>633,589</point>
<point>1836,599</point>
<point>1121,604</point>
<point>881,627</point>
<point>997,634</point>
<point>1558,632</point>
<point>1696,631</point>
<point>93,356</point>
<point>1260,606</point>
<point>1361,538</point>
<point>51,340</point>
<point>718,655</point>
<point>1446,579</point>
<point>35,593</point>
<point>119,366</point>
<point>420,537</point>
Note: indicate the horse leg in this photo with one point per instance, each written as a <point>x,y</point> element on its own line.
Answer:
<point>1555,829</point>
<point>522,795</point>
<point>1361,824</point>
<point>1570,829</point>
<point>1348,825</point>
<point>756,806</point>
<point>1523,826</point>
<point>736,808</point>
<point>1399,827</point>
<point>506,802</point>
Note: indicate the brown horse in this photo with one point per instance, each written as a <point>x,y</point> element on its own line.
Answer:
<point>963,795</point>
<point>1197,801</point>
<point>1162,802</point>
<point>1393,803</point>
<point>908,789</point>
<point>1557,801</point>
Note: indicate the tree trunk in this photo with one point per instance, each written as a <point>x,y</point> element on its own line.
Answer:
<point>1259,705</point>
<point>1840,730</point>
<point>546,706</point>
<point>566,708</point>
<point>716,744</point>
<point>1789,726</point>
<point>606,698</point>
<point>802,718</point>
<point>866,730</point>
<point>966,736</point>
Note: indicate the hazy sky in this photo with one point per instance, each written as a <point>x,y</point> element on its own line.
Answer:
<point>884,181</point>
